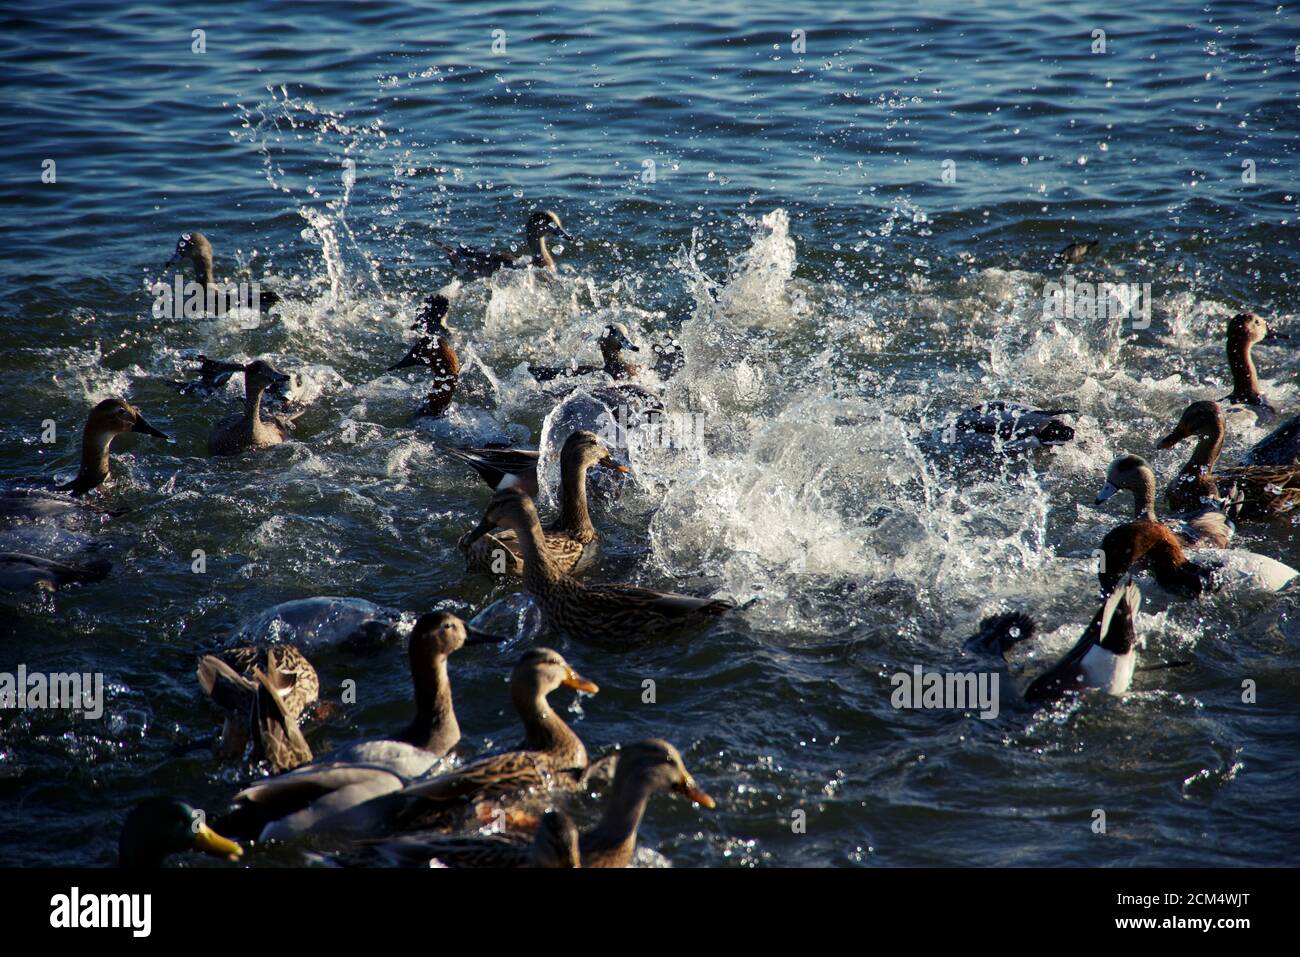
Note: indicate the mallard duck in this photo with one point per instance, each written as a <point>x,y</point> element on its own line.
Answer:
<point>484,262</point>
<point>158,827</point>
<point>248,430</point>
<point>1104,657</point>
<point>1207,527</point>
<point>551,754</point>
<point>106,421</point>
<point>352,624</point>
<point>1282,445</point>
<point>611,612</point>
<point>22,572</point>
<point>612,342</point>
<point>230,680</point>
<point>196,248</point>
<point>1246,491</point>
<point>641,770</point>
<point>569,536</point>
<point>435,350</point>
<point>1149,545</point>
<point>333,793</point>
<point>554,844</point>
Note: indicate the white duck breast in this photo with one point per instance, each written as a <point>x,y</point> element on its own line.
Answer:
<point>1252,571</point>
<point>1110,672</point>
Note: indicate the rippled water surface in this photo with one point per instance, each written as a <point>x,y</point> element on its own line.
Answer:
<point>836,298</point>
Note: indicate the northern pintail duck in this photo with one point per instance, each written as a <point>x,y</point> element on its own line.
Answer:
<point>22,572</point>
<point>1206,527</point>
<point>1077,252</point>
<point>434,350</point>
<point>1142,545</point>
<point>1104,657</point>
<point>248,430</point>
<point>1282,445</point>
<point>159,827</point>
<point>609,612</point>
<point>550,756</point>
<point>614,364</point>
<point>484,262</point>
<point>641,770</point>
<point>566,539</point>
<point>197,250</point>
<point>553,845</point>
<point>230,680</point>
<point>1246,491</point>
<point>334,792</point>
<point>106,422</point>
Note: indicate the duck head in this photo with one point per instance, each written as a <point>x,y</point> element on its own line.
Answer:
<point>112,417</point>
<point>260,375</point>
<point>1202,419</point>
<point>509,508</point>
<point>654,765</point>
<point>556,842</point>
<point>546,222</point>
<point>543,670</point>
<point>583,449</point>
<point>1128,472</point>
<point>196,248</point>
<point>438,634</point>
<point>615,339</point>
<point>161,826</point>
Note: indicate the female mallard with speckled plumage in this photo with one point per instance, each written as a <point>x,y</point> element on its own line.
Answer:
<point>567,538</point>
<point>609,612</point>
<point>554,845</point>
<point>233,681</point>
<point>551,754</point>
<point>1207,527</point>
<point>248,430</point>
<point>434,349</point>
<point>1246,491</point>
<point>484,262</point>
<point>1282,445</point>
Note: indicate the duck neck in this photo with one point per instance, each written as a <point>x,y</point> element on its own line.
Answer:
<point>544,730</point>
<point>575,520</point>
<point>1144,500</point>
<point>541,254</point>
<point>1206,453</point>
<point>253,403</point>
<point>95,445</point>
<point>1245,382</point>
<point>618,825</point>
<point>540,573</point>
<point>434,726</point>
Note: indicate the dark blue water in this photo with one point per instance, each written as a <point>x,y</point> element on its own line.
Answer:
<point>858,300</point>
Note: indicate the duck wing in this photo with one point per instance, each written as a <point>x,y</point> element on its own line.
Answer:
<point>501,468</point>
<point>664,604</point>
<point>278,737</point>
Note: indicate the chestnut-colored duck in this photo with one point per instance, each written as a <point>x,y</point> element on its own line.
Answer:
<point>435,350</point>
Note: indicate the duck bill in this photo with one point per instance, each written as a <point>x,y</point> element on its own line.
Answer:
<point>608,463</point>
<point>1272,336</point>
<point>1173,438</point>
<point>210,842</point>
<point>475,637</point>
<point>1106,492</point>
<point>564,233</point>
<point>410,359</point>
<point>578,683</point>
<point>481,529</point>
<point>145,428</point>
<point>692,791</point>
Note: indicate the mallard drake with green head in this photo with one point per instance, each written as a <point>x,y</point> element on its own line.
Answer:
<point>1246,491</point>
<point>566,539</point>
<point>159,827</point>
<point>608,612</point>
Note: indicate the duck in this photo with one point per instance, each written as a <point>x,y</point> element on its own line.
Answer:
<point>334,791</point>
<point>998,634</point>
<point>1136,546</point>
<point>1207,527</point>
<point>1103,658</point>
<point>1244,491</point>
<point>608,612</point>
<point>613,340</point>
<point>21,572</point>
<point>351,624</point>
<point>501,467</point>
<point>106,421</point>
<point>230,681</point>
<point>1002,428</point>
<point>435,350</point>
<point>553,845</point>
<point>159,827</point>
<point>197,250</point>
<point>641,770</point>
<point>483,262</point>
<point>248,430</point>
<point>215,374</point>
<point>1078,251</point>
<point>550,756</point>
<point>1282,445</point>
<point>570,536</point>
